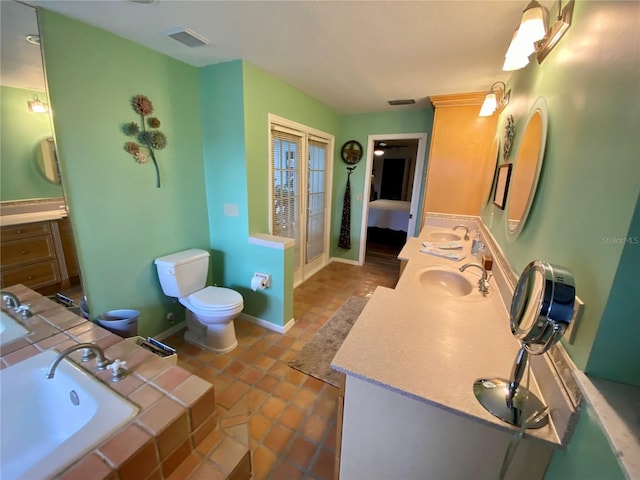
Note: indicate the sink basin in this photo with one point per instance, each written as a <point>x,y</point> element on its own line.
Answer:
<point>10,329</point>
<point>49,423</point>
<point>443,281</point>
<point>441,237</point>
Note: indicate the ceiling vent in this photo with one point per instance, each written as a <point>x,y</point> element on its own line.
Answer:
<point>187,37</point>
<point>407,101</point>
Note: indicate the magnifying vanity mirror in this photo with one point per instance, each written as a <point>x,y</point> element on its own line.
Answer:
<point>541,310</point>
<point>527,168</point>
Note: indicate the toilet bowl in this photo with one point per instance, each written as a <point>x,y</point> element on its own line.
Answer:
<point>210,311</point>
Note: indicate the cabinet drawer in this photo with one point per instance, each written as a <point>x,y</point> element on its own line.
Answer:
<point>33,276</point>
<point>20,252</point>
<point>16,232</point>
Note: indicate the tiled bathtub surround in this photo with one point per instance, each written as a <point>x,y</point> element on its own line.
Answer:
<point>177,409</point>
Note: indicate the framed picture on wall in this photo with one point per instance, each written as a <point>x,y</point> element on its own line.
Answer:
<point>502,185</point>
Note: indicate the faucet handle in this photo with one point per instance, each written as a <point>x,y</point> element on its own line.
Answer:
<point>118,370</point>
<point>24,309</point>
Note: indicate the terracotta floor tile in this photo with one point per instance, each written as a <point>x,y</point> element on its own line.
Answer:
<point>231,394</point>
<point>255,398</point>
<point>263,462</point>
<point>304,398</point>
<point>292,417</point>
<point>278,438</point>
<point>259,425</point>
<point>301,452</point>
<point>285,390</point>
<point>272,407</point>
<point>314,428</point>
<point>286,471</point>
<point>268,383</point>
<point>324,464</point>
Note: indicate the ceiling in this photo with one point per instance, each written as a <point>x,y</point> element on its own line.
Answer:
<point>350,55</point>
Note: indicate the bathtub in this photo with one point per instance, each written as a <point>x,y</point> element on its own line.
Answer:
<point>47,424</point>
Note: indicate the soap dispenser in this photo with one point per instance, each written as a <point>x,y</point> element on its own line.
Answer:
<point>476,244</point>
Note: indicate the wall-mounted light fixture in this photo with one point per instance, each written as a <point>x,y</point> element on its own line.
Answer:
<point>36,106</point>
<point>496,99</point>
<point>533,34</point>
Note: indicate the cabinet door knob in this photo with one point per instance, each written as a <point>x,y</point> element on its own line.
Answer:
<point>24,252</point>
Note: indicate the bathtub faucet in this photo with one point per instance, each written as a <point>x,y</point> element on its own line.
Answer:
<point>103,362</point>
<point>10,299</point>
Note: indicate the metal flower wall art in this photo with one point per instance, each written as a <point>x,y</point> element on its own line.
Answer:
<point>148,137</point>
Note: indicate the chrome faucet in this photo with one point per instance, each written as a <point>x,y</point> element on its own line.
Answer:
<point>466,230</point>
<point>103,362</point>
<point>11,301</point>
<point>483,283</point>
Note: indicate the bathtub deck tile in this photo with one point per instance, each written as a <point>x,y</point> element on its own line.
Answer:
<point>125,444</point>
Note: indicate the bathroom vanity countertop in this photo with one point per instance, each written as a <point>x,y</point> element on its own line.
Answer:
<point>32,217</point>
<point>432,348</point>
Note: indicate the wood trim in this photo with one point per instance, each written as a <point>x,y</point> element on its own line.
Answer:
<point>458,99</point>
<point>341,390</point>
<point>62,263</point>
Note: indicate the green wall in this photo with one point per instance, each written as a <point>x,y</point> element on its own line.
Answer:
<point>20,135</point>
<point>359,127</point>
<point>591,174</point>
<point>616,342</point>
<point>586,198</point>
<point>588,455</point>
<point>236,98</point>
<point>121,221</point>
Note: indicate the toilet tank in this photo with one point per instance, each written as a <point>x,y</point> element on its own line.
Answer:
<point>183,273</point>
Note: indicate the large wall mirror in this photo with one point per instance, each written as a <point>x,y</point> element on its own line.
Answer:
<point>29,175</point>
<point>527,167</point>
<point>29,163</point>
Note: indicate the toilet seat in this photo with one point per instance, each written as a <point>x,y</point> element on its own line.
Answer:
<point>215,299</point>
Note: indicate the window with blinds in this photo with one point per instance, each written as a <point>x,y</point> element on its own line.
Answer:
<point>285,186</point>
<point>299,204</point>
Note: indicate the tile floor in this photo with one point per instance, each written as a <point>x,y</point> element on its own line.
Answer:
<point>292,416</point>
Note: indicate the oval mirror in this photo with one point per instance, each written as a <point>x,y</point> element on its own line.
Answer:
<point>47,160</point>
<point>490,162</point>
<point>527,167</point>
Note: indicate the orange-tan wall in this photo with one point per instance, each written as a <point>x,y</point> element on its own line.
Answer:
<point>460,160</point>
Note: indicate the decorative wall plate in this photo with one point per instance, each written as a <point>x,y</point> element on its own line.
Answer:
<point>508,137</point>
<point>351,152</point>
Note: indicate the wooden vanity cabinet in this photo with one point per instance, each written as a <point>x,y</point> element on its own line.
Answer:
<point>33,254</point>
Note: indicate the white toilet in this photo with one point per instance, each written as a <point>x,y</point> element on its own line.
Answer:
<point>210,310</point>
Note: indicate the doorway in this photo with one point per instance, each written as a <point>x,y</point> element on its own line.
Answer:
<point>396,172</point>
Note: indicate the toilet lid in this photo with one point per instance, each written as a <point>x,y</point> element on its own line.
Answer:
<point>215,298</point>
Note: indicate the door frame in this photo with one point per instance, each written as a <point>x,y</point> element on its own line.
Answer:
<point>306,131</point>
<point>415,192</point>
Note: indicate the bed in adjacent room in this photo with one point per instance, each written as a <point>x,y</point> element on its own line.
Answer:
<point>391,214</point>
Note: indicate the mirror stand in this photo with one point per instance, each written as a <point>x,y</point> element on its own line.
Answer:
<point>541,310</point>
<point>507,399</point>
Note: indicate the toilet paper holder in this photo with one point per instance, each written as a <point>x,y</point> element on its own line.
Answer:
<point>260,281</point>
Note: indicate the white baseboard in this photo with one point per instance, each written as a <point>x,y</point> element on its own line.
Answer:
<point>344,260</point>
<point>268,325</point>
